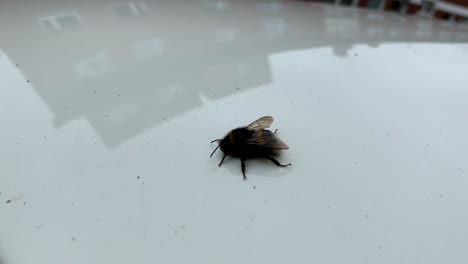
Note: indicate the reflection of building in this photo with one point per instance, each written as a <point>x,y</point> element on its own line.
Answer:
<point>456,10</point>
<point>143,64</point>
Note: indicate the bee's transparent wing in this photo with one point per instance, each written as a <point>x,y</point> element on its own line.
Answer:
<point>266,138</point>
<point>261,123</point>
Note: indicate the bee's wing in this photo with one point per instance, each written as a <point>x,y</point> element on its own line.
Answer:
<point>266,138</point>
<point>261,123</point>
<point>280,144</point>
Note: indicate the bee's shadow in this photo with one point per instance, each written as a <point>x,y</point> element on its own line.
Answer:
<point>253,168</point>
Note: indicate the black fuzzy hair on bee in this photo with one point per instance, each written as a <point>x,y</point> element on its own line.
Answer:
<point>252,141</point>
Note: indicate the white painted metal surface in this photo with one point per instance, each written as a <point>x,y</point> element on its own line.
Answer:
<point>107,110</point>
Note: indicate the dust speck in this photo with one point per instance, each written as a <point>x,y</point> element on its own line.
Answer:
<point>9,201</point>
<point>138,177</point>
<point>254,187</point>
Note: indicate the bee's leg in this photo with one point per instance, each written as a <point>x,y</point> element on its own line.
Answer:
<point>277,162</point>
<point>243,168</point>
<point>275,131</point>
<point>219,165</point>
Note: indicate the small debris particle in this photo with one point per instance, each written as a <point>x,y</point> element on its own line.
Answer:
<point>388,134</point>
<point>28,80</point>
<point>254,187</point>
<point>237,88</point>
<point>9,201</point>
<point>355,54</point>
<point>24,203</point>
<point>16,65</point>
<point>107,115</point>
<point>138,177</point>
<point>73,239</point>
<point>441,196</point>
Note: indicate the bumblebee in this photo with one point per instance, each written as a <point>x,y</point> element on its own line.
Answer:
<point>250,142</point>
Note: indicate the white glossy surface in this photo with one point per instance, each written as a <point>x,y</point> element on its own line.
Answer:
<point>372,105</point>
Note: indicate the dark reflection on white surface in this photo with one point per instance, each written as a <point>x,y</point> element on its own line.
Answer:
<point>126,76</point>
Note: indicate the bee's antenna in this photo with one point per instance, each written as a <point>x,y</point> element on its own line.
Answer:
<point>214,150</point>
<point>214,140</point>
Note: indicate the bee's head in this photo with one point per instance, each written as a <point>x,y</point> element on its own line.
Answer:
<point>225,145</point>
